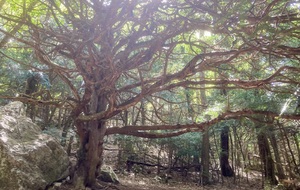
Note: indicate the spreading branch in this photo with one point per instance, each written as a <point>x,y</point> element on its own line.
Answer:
<point>176,130</point>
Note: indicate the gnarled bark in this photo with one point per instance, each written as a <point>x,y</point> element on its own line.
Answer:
<point>91,137</point>
<point>90,154</point>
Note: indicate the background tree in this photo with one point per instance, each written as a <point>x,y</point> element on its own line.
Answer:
<point>226,169</point>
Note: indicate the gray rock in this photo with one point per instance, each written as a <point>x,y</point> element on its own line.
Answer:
<point>29,159</point>
<point>108,175</point>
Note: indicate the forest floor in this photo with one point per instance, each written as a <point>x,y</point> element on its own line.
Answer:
<point>130,181</point>
<point>148,183</point>
<point>144,183</point>
<point>139,181</point>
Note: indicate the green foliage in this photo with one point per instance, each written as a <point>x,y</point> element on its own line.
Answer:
<point>102,58</point>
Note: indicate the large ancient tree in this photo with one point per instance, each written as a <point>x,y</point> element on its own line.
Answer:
<point>126,50</point>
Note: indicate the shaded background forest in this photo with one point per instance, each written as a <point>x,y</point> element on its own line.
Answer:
<point>209,87</point>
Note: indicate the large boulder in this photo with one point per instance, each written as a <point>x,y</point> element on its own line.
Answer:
<point>29,159</point>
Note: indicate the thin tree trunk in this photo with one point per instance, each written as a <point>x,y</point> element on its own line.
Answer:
<point>158,160</point>
<point>170,157</point>
<point>242,165</point>
<point>143,112</point>
<point>273,142</point>
<point>216,155</point>
<point>68,123</point>
<point>289,147</point>
<point>205,157</point>
<point>297,146</point>
<point>189,106</point>
<point>205,140</point>
<point>233,162</point>
<point>46,117</point>
<point>226,169</point>
<point>196,162</point>
<point>266,157</point>
<point>291,164</point>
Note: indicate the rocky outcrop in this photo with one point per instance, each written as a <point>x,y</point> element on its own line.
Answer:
<point>29,159</point>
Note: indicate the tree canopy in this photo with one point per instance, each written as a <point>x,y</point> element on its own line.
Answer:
<point>104,57</point>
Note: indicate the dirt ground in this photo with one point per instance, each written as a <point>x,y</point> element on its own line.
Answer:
<point>144,183</point>
<point>131,182</point>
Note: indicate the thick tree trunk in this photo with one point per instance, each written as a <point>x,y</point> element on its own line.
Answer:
<point>94,151</point>
<point>90,154</point>
<point>92,138</point>
<point>225,166</point>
